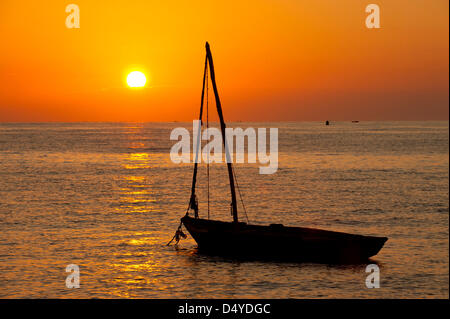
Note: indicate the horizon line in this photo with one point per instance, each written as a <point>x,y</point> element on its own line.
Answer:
<point>230,121</point>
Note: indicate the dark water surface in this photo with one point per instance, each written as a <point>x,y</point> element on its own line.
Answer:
<point>106,196</point>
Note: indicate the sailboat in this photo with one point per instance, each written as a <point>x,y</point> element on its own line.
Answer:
<point>274,241</point>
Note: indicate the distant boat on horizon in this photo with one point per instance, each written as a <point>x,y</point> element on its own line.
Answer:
<point>274,241</point>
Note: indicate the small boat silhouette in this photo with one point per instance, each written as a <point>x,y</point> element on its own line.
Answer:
<point>274,241</point>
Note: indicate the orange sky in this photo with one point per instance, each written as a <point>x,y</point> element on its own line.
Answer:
<point>275,60</point>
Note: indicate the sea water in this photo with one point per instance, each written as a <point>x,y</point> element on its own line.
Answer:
<point>106,197</point>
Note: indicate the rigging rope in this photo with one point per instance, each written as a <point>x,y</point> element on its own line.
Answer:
<point>207,129</point>
<point>207,162</point>
<point>240,195</point>
<point>178,235</point>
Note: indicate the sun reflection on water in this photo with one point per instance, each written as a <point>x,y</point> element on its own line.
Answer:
<point>135,189</point>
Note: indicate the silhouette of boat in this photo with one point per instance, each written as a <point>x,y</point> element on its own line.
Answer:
<point>274,241</point>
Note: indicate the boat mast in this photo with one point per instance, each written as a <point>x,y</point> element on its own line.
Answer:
<point>222,127</point>
<point>193,201</point>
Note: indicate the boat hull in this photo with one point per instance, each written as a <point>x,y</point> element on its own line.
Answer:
<point>280,242</point>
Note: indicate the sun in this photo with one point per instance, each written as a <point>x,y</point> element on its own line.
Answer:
<point>136,79</point>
